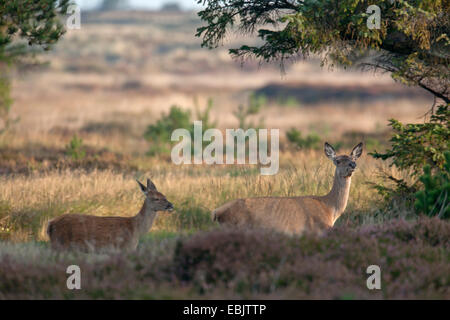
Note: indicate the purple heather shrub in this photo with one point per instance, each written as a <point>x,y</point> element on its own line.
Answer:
<point>224,263</point>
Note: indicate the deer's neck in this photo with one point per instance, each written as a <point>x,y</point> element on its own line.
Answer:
<point>144,219</point>
<point>337,198</point>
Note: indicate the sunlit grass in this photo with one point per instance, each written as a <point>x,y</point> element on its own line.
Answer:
<point>29,202</point>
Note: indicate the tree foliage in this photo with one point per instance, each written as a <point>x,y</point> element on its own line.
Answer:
<point>415,145</point>
<point>434,200</point>
<point>413,41</point>
<point>37,22</point>
<point>26,27</point>
<point>420,149</point>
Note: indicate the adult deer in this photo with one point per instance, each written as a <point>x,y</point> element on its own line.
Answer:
<point>296,215</point>
<point>92,233</point>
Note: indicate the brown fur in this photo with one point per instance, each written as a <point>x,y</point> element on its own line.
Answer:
<point>295,215</point>
<point>88,233</point>
<point>92,233</point>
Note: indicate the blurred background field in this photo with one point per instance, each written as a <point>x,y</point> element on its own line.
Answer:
<point>121,70</point>
<point>107,82</point>
<point>80,139</point>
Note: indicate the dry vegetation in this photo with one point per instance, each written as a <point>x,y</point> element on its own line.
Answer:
<point>29,201</point>
<point>115,76</point>
<point>244,265</point>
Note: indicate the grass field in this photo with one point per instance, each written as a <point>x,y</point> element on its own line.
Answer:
<point>29,201</point>
<point>99,89</point>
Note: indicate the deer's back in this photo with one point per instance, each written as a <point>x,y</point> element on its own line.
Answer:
<point>293,215</point>
<point>87,233</point>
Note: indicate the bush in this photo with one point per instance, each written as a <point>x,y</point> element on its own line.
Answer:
<point>244,264</point>
<point>204,116</point>
<point>159,134</point>
<point>433,199</point>
<point>75,148</point>
<point>415,145</point>
<point>5,105</point>
<point>311,141</point>
<point>418,149</point>
<point>255,103</point>
<point>252,262</point>
<point>223,252</point>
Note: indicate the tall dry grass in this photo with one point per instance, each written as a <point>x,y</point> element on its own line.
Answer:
<point>107,94</point>
<point>28,202</point>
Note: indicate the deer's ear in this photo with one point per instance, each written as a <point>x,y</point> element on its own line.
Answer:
<point>150,185</point>
<point>357,151</point>
<point>329,151</point>
<point>143,188</point>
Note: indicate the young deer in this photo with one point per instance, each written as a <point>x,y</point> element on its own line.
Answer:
<point>295,215</point>
<point>91,233</point>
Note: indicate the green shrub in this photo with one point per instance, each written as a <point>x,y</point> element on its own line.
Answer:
<point>415,147</point>
<point>253,107</point>
<point>433,199</point>
<point>159,134</point>
<point>288,101</point>
<point>311,141</point>
<point>75,148</point>
<point>204,116</point>
<point>5,105</point>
